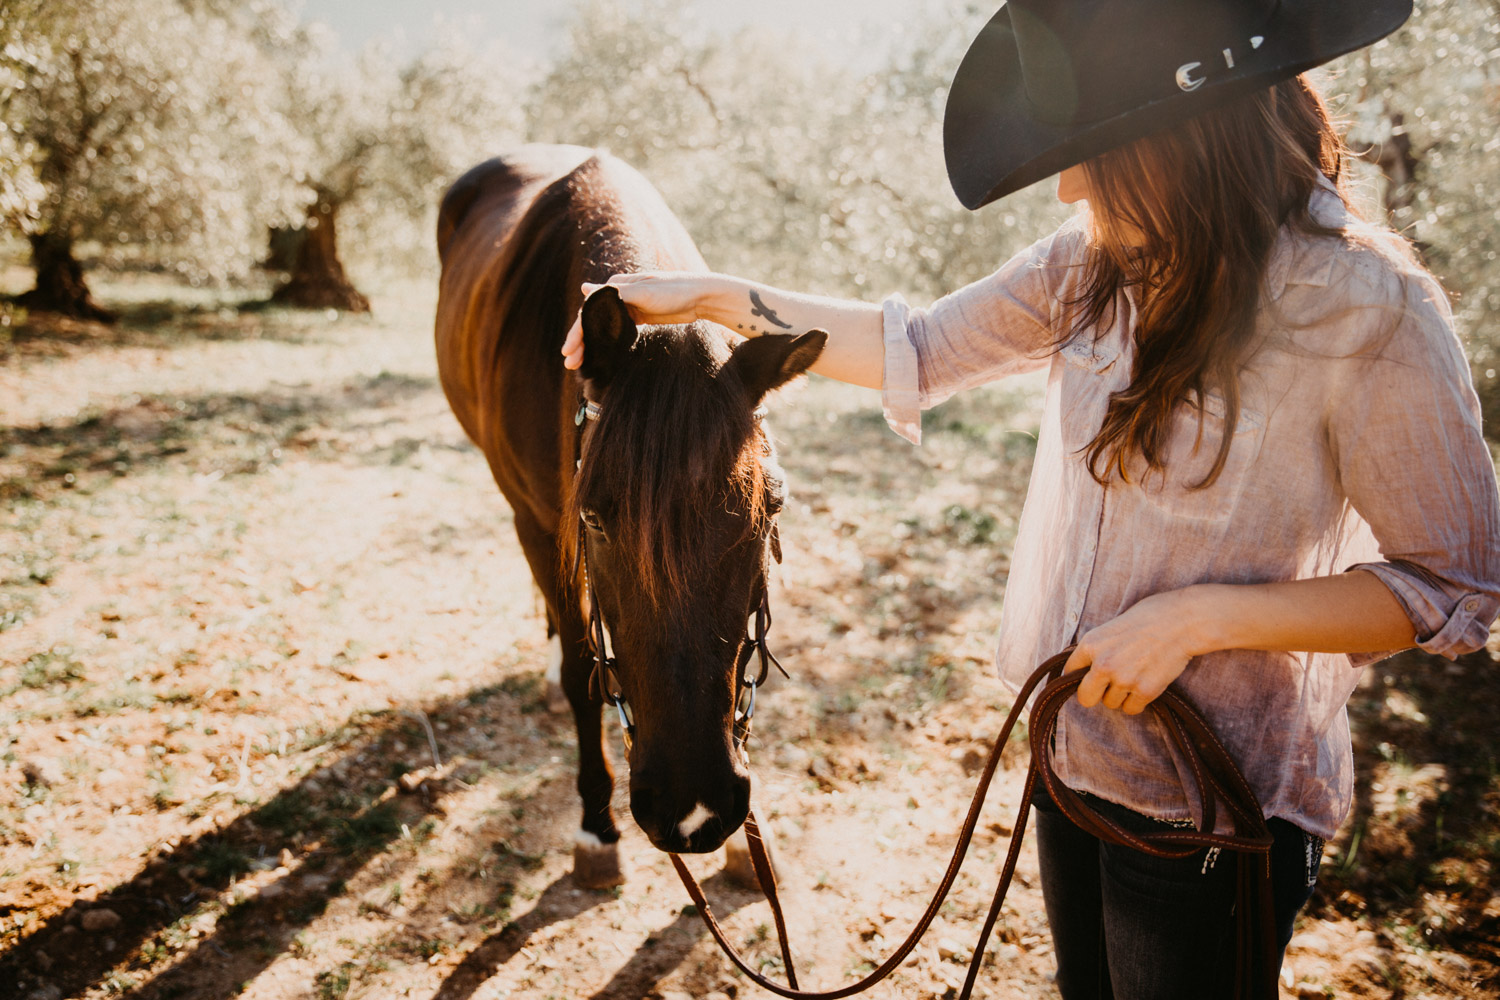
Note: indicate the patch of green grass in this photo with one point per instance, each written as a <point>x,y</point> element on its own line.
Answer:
<point>367,832</point>
<point>130,696</point>
<point>163,796</point>
<point>222,862</point>
<point>333,984</point>
<point>971,527</point>
<point>290,812</point>
<point>119,984</point>
<point>526,862</point>
<point>50,668</point>
<point>14,611</point>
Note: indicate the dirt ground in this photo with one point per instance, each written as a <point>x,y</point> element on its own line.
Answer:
<point>271,715</point>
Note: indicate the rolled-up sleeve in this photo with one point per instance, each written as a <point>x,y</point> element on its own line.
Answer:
<point>998,326</point>
<point>1405,429</point>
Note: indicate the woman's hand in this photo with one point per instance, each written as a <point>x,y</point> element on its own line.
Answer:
<point>1138,655</point>
<point>855,351</point>
<point>653,297</point>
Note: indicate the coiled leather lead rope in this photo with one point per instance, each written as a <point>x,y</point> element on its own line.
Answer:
<point>1217,777</point>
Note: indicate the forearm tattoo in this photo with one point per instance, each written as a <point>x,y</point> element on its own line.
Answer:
<point>761,309</point>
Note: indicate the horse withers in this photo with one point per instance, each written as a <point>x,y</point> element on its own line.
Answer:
<point>661,498</point>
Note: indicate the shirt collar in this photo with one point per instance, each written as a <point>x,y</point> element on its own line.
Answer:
<point>1297,260</point>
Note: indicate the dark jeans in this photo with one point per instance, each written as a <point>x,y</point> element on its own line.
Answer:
<point>1133,927</point>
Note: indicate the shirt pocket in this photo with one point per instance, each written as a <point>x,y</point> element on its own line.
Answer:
<point>1190,456</point>
<point>1089,377</point>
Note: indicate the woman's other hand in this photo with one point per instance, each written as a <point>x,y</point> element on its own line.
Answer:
<point>653,297</point>
<point>1135,657</point>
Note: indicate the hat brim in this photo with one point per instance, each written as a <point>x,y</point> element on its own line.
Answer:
<point>994,146</point>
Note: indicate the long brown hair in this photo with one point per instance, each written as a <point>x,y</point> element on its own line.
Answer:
<point>1190,217</point>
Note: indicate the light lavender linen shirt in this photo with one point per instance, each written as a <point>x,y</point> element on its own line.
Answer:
<point>1358,446</point>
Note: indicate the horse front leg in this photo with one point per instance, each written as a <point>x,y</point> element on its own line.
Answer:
<point>596,846</point>
<point>596,852</point>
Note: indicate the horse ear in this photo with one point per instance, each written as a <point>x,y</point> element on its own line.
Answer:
<point>609,334</point>
<point>771,361</point>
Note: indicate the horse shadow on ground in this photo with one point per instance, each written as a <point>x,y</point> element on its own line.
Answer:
<point>663,952</point>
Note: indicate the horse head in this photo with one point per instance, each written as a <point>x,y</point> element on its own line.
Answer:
<point>676,497</point>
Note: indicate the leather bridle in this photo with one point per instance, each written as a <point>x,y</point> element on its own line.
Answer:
<point>605,679</point>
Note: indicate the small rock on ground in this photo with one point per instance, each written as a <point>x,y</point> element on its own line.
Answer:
<point>95,921</point>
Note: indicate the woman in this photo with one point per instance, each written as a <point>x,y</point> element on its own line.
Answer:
<point>1260,465</point>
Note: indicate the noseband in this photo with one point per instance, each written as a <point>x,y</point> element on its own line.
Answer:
<point>605,679</point>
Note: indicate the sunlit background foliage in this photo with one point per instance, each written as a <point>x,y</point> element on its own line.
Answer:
<point>180,134</point>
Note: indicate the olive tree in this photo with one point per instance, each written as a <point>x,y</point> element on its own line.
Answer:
<point>134,124</point>
<point>383,138</point>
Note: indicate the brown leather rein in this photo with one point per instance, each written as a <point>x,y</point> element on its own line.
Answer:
<point>1215,774</point>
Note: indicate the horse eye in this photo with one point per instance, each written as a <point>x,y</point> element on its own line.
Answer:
<point>592,522</point>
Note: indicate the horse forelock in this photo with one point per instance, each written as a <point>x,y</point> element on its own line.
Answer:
<point>676,457</point>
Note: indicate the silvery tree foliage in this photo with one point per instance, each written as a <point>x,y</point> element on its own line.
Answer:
<point>785,166</point>
<point>1424,106</point>
<point>142,127</point>
<point>381,139</point>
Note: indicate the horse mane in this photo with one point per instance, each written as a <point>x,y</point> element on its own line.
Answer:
<point>673,441</point>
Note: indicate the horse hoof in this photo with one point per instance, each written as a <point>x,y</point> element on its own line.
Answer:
<point>737,864</point>
<point>596,865</point>
<point>557,701</point>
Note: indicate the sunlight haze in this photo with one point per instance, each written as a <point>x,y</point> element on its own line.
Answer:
<point>842,29</point>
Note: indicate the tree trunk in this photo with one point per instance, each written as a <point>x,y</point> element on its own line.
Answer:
<point>318,280</point>
<point>1399,162</point>
<point>60,287</point>
<point>283,244</point>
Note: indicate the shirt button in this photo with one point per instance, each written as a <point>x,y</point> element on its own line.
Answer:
<point>1471,605</point>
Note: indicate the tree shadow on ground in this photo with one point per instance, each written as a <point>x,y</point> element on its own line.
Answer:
<point>1417,858</point>
<point>322,831</point>
<point>163,324</point>
<point>234,433</point>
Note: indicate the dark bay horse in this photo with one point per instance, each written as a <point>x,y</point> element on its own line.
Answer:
<point>671,490</point>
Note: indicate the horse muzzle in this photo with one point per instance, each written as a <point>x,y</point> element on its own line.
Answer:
<point>681,821</point>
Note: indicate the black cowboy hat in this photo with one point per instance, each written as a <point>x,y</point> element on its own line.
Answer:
<point>1051,83</point>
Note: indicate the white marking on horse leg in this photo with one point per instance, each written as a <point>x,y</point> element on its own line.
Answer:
<point>557,699</point>
<point>695,820</point>
<point>554,661</point>
<point>596,865</point>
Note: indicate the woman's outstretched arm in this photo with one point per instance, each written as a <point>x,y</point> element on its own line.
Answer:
<point>855,352</point>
